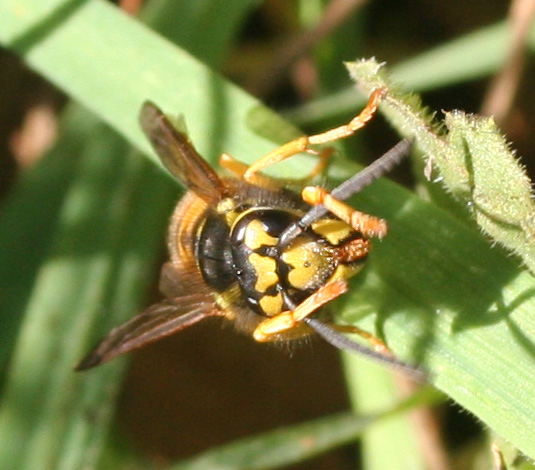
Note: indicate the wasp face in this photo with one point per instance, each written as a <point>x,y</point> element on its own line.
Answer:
<point>245,248</point>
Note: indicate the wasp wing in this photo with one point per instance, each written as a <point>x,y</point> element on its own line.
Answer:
<point>178,155</point>
<point>158,321</point>
<point>172,284</point>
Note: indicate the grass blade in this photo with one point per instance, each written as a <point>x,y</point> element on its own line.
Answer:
<point>459,60</point>
<point>297,443</point>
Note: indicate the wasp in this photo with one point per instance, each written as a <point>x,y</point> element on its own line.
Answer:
<point>250,250</point>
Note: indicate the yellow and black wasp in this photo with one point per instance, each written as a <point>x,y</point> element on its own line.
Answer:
<point>247,249</point>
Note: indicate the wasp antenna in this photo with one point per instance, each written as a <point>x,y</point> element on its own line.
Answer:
<point>340,341</point>
<point>349,187</point>
<point>374,170</point>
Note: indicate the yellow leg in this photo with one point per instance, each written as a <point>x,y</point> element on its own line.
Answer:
<point>324,156</point>
<point>284,321</point>
<point>231,164</point>
<point>239,169</point>
<point>368,225</point>
<point>377,343</point>
<point>302,144</point>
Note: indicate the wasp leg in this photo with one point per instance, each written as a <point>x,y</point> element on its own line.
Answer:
<point>324,155</point>
<point>377,343</point>
<point>228,162</point>
<point>238,168</point>
<point>368,225</point>
<point>269,329</point>
<point>302,144</point>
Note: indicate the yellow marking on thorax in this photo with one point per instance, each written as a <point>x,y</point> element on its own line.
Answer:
<point>256,236</point>
<point>265,268</point>
<point>226,207</point>
<point>333,230</point>
<point>271,304</point>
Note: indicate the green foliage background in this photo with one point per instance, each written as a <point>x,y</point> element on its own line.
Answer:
<point>80,231</point>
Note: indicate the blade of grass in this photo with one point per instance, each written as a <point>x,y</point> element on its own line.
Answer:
<point>299,442</point>
<point>459,60</point>
<point>26,229</point>
<point>45,419</point>
<point>141,65</point>
<point>392,443</point>
<point>200,22</point>
<point>97,263</point>
<point>442,297</point>
<point>51,176</point>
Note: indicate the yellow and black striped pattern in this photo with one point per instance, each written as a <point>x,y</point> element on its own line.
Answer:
<point>240,259</point>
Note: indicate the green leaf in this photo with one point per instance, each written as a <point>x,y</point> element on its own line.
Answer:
<point>391,443</point>
<point>474,162</point>
<point>444,298</point>
<point>52,417</point>
<point>59,39</point>
<point>458,60</point>
<point>283,446</point>
<point>463,304</point>
<point>498,190</point>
